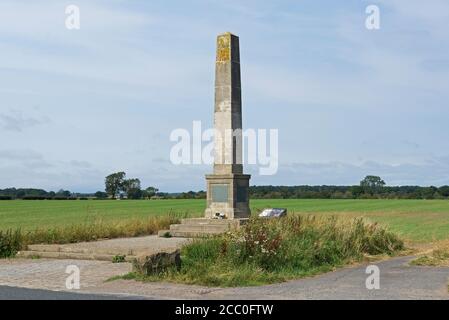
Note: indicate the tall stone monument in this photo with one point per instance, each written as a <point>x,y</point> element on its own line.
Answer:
<point>228,187</point>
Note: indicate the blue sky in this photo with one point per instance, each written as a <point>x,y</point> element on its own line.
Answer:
<point>77,105</point>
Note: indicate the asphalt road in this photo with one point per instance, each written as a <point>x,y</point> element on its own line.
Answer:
<point>398,280</point>
<point>14,293</point>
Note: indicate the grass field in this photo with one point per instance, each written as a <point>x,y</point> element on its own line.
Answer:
<point>417,220</point>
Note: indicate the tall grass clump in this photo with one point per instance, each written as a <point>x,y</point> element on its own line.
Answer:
<point>11,242</point>
<point>99,229</point>
<point>267,251</point>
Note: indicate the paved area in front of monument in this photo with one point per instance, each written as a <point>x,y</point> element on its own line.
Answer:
<point>106,249</point>
<point>398,280</point>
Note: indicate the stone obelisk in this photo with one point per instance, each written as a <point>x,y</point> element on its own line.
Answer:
<point>228,187</point>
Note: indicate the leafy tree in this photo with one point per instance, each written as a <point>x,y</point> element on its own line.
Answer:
<point>356,191</point>
<point>444,191</point>
<point>21,193</point>
<point>151,192</point>
<point>63,193</point>
<point>372,184</point>
<point>132,188</point>
<point>429,192</point>
<point>101,195</point>
<point>114,183</point>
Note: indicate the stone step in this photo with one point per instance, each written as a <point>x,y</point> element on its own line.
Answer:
<point>56,248</point>
<point>69,255</point>
<point>78,250</point>
<point>203,221</point>
<point>193,234</point>
<point>199,228</point>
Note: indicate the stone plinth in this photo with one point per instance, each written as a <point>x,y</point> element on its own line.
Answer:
<point>202,227</point>
<point>227,194</point>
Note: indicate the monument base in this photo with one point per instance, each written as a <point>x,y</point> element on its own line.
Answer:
<point>201,227</point>
<point>228,196</point>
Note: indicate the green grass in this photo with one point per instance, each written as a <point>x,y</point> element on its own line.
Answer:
<point>10,243</point>
<point>14,240</point>
<point>29,215</point>
<point>417,220</point>
<point>438,257</point>
<point>99,229</point>
<point>269,251</point>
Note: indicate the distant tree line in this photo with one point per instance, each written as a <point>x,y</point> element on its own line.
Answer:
<point>332,192</point>
<point>188,195</point>
<point>347,192</point>
<point>36,194</point>
<point>118,187</point>
<point>371,187</point>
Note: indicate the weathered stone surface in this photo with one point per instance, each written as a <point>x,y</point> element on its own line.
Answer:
<point>157,263</point>
<point>228,166</point>
<point>164,234</point>
<point>203,227</point>
<point>105,250</point>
